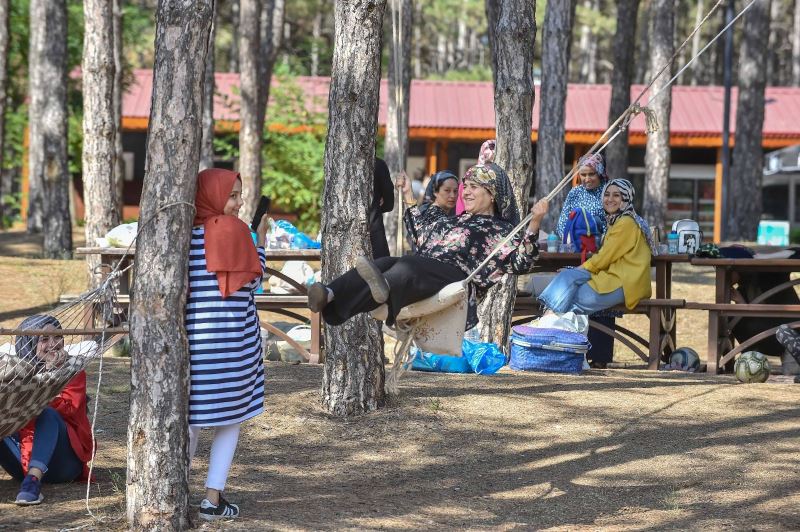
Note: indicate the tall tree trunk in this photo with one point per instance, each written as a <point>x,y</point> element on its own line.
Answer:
<point>316,34</point>
<point>353,380</point>
<point>556,40</point>
<point>157,488</point>
<point>99,125</point>
<point>588,45</point>
<point>418,40</point>
<point>441,54</point>
<point>796,45</point>
<point>5,177</point>
<point>207,142</point>
<point>461,42</point>
<point>657,157</point>
<point>235,21</point>
<point>250,135</point>
<point>623,48</point>
<point>272,14</point>
<point>643,45</point>
<point>776,39</point>
<point>748,154</point>
<point>49,171</point>
<point>119,163</point>
<point>695,72</point>
<point>512,34</point>
<point>396,146</point>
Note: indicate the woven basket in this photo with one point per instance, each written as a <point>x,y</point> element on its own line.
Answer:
<point>550,350</point>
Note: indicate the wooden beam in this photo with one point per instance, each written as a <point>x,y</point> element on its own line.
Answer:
<point>430,157</point>
<point>443,159</point>
<point>718,197</point>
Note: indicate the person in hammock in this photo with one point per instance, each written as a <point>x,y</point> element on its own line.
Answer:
<point>56,445</point>
<point>618,273</point>
<point>448,250</point>
<point>440,200</point>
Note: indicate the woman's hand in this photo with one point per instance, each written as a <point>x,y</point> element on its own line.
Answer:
<point>539,211</point>
<point>402,182</point>
<point>262,230</point>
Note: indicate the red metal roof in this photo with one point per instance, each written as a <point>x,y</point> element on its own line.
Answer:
<point>696,111</point>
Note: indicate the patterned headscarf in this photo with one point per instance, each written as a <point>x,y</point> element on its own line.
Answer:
<point>494,179</point>
<point>627,192</point>
<point>596,161</point>
<point>486,154</point>
<point>24,345</point>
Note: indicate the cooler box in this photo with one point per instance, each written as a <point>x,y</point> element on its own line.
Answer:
<point>551,350</point>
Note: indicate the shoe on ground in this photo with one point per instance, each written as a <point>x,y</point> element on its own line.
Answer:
<point>378,286</point>
<point>598,365</point>
<point>30,493</point>
<point>224,510</point>
<point>317,297</point>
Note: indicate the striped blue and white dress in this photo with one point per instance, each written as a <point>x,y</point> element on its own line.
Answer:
<point>226,362</point>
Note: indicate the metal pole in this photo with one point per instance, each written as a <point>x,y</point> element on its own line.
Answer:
<point>727,60</point>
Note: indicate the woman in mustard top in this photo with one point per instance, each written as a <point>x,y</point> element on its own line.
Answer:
<point>619,272</point>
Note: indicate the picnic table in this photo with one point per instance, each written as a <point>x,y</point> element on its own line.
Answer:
<point>286,305</point>
<point>724,315</point>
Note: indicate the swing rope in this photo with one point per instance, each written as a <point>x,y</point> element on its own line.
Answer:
<point>397,55</point>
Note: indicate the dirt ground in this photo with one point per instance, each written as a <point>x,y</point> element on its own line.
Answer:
<point>614,449</point>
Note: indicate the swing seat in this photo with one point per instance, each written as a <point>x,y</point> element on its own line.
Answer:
<point>436,322</point>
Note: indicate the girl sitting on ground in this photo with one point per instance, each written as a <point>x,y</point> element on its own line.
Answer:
<point>619,272</point>
<point>440,200</point>
<point>448,250</point>
<point>226,362</point>
<point>55,446</point>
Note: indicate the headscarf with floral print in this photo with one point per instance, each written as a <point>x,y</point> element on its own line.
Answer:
<point>494,179</point>
<point>597,162</point>
<point>486,154</point>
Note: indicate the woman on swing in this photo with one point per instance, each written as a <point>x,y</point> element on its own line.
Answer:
<point>448,250</point>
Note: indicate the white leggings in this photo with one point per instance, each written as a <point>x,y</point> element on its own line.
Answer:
<point>222,450</point>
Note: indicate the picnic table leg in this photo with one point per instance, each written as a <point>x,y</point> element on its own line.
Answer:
<point>316,326</point>
<point>712,356</point>
<point>655,337</point>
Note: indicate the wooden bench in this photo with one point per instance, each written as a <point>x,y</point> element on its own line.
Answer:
<point>660,312</point>
<point>277,303</point>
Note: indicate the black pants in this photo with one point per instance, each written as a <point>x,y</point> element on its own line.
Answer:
<point>602,344</point>
<point>411,278</point>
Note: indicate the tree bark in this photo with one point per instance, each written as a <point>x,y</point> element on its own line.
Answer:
<point>49,172</point>
<point>643,45</point>
<point>588,45</point>
<point>396,146</point>
<point>695,72</point>
<point>207,143</point>
<point>99,125</point>
<point>157,488</point>
<point>234,52</point>
<point>250,135</point>
<point>512,34</point>
<point>5,177</point>
<point>272,14</point>
<point>657,155</point>
<point>748,154</point>
<point>353,382</point>
<point>418,41</point>
<point>623,48</point>
<point>119,163</point>
<point>556,40</point>
<point>796,45</point>
<point>316,34</point>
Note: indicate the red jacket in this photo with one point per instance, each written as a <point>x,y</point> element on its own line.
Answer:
<point>71,404</point>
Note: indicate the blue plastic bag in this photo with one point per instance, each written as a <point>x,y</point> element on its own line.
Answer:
<point>299,240</point>
<point>439,363</point>
<point>483,358</point>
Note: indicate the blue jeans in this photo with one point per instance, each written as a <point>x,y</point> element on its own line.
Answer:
<point>570,292</point>
<point>52,452</point>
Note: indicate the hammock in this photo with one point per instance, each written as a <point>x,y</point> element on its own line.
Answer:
<point>37,361</point>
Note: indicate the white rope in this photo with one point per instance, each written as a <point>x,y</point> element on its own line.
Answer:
<point>397,53</point>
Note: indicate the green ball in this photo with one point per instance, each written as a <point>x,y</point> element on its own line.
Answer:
<point>685,357</point>
<point>752,366</point>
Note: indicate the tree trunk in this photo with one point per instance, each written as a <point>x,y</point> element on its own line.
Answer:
<point>99,125</point>
<point>234,53</point>
<point>461,42</point>
<point>353,380</point>
<point>796,45</point>
<point>748,154</point>
<point>207,143</point>
<point>776,38</point>
<point>272,13</point>
<point>316,34</point>
<point>418,41</point>
<point>157,488</point>
<point>643,47</point>
<point>512,34</point>
<point>623,48</point>
<point>119,163</point>
<point>49,172</point>
<point>250,135</point>
<point>396,146</point>
<point>695,71</point>
<point>587,48</point>
<point>657,155</point>
<point>5,177</point>
<point>556,40</point>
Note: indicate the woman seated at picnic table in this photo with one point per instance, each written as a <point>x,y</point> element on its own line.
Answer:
<point>439,200</point>
<point>56,445</point>
<point>588,194</point>
<point>448,250</point>
<point>619,272</point>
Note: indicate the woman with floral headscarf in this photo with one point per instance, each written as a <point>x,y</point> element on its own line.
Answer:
<point>587,195</point>
<point>448,250</point>
<point>485,156</point>
<point>619,272</point>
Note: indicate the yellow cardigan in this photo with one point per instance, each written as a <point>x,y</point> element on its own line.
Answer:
<point>623,261</point>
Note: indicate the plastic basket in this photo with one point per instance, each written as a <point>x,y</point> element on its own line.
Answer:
<point>550,350</point>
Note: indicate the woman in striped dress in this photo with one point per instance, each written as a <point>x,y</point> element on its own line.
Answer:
<point>226,363</point>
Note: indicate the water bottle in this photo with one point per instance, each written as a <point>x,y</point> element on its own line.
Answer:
<point>672,243</point>
<point>552,243</point>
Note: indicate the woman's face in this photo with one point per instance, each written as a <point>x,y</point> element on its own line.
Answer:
<point>589,178</point>
<point>612,199</point>
<point>447,194</point>
<point>50,350</point>
<point>235,201</point>
<point>477,199</point>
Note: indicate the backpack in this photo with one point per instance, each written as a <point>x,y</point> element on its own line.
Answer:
<point>690,237</point>
<point>581,231</point>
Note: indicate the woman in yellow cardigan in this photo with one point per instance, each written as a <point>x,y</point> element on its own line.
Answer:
<point>619,272</point>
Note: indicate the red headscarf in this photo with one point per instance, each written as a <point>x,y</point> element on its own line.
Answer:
<point>230,252</point>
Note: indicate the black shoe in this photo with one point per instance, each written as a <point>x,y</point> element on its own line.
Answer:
<point>224,510</point>
<point>317,297</point>
<point>598,365</point>
<point>374,279</point>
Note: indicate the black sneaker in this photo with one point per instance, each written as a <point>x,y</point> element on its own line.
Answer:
<point>317,297</point>
<point>224,510</point>
<point>378,286</point>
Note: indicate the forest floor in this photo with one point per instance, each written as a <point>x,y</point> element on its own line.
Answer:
<point>622,448</point>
